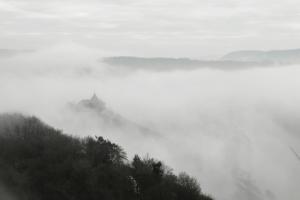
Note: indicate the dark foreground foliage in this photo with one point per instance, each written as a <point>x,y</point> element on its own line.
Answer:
<point>38,162</point>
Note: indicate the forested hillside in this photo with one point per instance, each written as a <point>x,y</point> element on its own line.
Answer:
<point>38,162</point>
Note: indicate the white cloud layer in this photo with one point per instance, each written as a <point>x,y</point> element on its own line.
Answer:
<point>165,27</point>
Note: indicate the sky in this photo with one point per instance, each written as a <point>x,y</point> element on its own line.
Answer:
<point>174,28</point>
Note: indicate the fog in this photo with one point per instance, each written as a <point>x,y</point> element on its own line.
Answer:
<point>6,195</point>
<point>236,131</point>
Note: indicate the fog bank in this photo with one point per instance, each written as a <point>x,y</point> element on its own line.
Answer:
<point>233,130</point>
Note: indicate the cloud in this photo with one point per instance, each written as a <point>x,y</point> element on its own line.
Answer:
<point>185,27</point>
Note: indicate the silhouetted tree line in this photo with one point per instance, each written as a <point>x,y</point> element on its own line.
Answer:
<point>38,162</point>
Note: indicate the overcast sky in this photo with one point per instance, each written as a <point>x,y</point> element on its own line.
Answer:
<point>191,28</point>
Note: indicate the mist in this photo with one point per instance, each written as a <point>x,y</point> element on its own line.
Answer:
<point>236,131</point>
<point>5,195</point>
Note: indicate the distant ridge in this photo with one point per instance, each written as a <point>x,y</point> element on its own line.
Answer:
<point>169,64</point>
<point>237,60</point>
<point>276,56</point>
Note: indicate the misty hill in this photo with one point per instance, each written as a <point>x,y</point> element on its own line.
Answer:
<point>169,64</point>
<point>233,61</point>
<point>93,104</point>
<point>6,53</point>
<point>38,162</point>
<point>94,109</point>
<point>276,56</point>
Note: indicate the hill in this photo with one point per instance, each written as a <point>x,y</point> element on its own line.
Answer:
<point>171,64</point>
<point>276,56</point>
<point>94,110</point>
<point>38,162</point>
